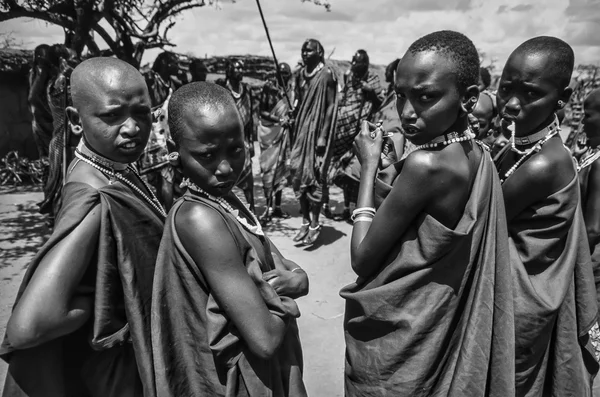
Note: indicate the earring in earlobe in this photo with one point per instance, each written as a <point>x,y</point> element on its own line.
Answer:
<point>174,158</point>
<point>76,129</point>
<point>561,104</point>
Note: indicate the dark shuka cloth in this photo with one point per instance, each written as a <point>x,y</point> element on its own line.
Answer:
<point>584,178</point>
<point>309,170</point>
<point>197,349</point>
<point>555,297</point>
<point>436,319</point>
<point>110,355</point>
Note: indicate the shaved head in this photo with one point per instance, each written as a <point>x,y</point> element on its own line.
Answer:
<point>99,75</point>
<point>560,56</point>
<point>485,106</point>
<point>201,99</point>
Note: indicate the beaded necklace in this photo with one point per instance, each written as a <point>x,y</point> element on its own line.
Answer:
<point>315,71</point>
<point>589,158</point>
<point>527,154</point>
<point>447,139</point>
<point>100,163</point>
<point>554,126</point>
<point>254,229</point>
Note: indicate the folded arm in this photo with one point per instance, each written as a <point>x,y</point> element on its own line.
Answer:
<point>52,305</point>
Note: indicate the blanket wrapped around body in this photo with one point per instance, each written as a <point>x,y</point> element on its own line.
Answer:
<point>555,297</point>
<point>197,349</point>
<point>109,356</point>
<point>436,318</point>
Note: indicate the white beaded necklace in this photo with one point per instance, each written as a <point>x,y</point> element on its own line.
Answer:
<point>527,154</point>
<point>447,139</point>
<point>590,157</point>
<point>315,71</point>
<point>554,126</point>
<point>254,229</point>
<point>115,175</point>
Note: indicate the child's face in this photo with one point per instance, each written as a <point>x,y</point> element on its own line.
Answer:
<point>528,92</point>
<point>428,98</point>
<point>591,118</point>
<point>484,112</point>
<point>116,117</point>
<point>212,149</point>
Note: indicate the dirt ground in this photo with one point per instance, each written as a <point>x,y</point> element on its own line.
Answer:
<point>22,231</point>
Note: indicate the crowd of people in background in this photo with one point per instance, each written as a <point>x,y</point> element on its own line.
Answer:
<point>474,239</point>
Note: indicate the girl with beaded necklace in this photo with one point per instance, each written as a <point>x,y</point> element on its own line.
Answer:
<point>431,311</point>
<point>223,309</point>
<point>81,322</point>
<point>588,168</point>
<point>555,303</point>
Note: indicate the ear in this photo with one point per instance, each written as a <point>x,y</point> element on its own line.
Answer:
<point>565,96</point>
<point>73,116</point>
<point>470,98</point>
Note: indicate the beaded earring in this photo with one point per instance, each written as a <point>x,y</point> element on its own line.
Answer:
<point>561,104</point>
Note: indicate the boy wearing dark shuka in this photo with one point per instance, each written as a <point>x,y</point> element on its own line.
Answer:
<point>81,322</point>
<point>431,313</point>
<point>223,314</point>
<point>555,302</point>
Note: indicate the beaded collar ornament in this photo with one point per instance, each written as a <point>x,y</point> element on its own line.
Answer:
<point>550,131</point>
<point>447,139</point>
<point>114,171</point>
<point>254,229</point>
<point>554,126</point>
<point>315,71</point>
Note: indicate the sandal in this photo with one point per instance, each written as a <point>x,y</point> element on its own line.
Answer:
<point>313,235</point>
<point>302,232</point>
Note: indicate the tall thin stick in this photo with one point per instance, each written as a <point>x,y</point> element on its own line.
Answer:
<point>273,52</point>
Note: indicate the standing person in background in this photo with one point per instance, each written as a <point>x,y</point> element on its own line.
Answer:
<point>198,70</point>
<point>359,99</point>
<point>553,281</point>
<point>63,60</point>
<point>313,136</point>
<point>274,138</point>
<point>39,78</point>
<point>242,94</point>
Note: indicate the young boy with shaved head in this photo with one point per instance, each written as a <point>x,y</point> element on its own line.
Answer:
<point>555,298</point>
<point>81,322</point>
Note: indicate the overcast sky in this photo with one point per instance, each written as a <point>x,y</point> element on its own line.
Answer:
<point>385,28</point>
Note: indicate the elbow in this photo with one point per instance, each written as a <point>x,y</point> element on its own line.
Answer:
<point>23,333</point>
<point>266,344</point>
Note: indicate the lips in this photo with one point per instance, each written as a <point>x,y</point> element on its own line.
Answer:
<point>410,129</point>
<point>129,145</point>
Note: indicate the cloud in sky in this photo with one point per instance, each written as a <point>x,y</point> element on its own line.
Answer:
<point>385,28</point>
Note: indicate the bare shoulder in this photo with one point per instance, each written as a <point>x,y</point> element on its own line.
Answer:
<point>551,166</point>
<point>425,164</point>
<point>200,224</point>
<point>84,173</point>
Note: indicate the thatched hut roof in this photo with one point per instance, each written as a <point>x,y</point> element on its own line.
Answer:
<point>15,61</point>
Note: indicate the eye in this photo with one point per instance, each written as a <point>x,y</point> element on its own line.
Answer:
<point>532,94</point>
<point>206,156</point>
<point>425,98</point>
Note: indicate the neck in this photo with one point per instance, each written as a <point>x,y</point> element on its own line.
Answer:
<point>311,66</point>
<point>235,85</point>
<point>546,123</point>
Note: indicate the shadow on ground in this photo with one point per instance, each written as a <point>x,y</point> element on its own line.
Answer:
<point>23,232</point>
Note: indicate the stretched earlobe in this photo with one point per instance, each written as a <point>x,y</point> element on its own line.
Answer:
<point>76,129</point>
<point>561,104</point>
<point>174,159</point>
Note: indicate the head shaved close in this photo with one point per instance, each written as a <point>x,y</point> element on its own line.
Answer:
<point>560,55</point>
<point>100,71</point>
<point>457,47</point>
<point>202,97</point>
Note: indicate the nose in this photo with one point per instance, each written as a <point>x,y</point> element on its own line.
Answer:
<point>224,168</point>
<point>513,106</point>
<point>406,111</point>
<point>129,127</point>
